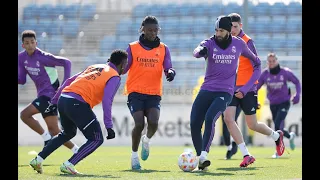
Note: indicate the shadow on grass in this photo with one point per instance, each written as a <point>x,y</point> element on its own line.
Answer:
<point>239,168</point>
<point>88,176</point>
<point>27,165</point>
<point>233,159</point>
<point>207,173</point>
<point>144,171</point>
<point>278,158</point>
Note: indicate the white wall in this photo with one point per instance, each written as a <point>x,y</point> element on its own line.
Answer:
<point>174,127</point>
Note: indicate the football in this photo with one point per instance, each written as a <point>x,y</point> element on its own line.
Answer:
<point>187,161</point>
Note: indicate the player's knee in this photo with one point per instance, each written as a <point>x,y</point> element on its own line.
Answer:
<point>153,125</point>
<point>139,126</point>
<point>195,126</point>
<point>24,115</point>
<point>252,125</point>
<point>228,119</point>
<point>70,133</point>
<point>54,130</point>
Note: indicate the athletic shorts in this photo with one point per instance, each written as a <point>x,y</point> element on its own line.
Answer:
<point>41,103</point>
<point>140,102</point>
<point>248,103</point>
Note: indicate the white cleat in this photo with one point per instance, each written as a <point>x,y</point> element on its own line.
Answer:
<point>135,163</point>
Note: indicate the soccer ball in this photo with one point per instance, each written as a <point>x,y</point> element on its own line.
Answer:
<point>187,161</point>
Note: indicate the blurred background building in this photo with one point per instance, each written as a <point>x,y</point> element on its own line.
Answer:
<point>86,31</point>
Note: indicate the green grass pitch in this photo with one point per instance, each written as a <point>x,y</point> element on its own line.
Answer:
<point>114,163</point>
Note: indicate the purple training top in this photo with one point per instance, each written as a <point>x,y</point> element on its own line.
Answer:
<point>40,66</point>
<point>222,65</point>
<point>109,92</point>
<point>277,87</point>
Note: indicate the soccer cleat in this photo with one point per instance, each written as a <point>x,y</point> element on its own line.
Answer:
<point>69,169</point>
<point>233,151</point>
<point>145,149</point>
<point>280,144</point>
<point>228,155</point>
<point>203,164</point>
<point>275,156</point>
<point>135,163</point>
<point>292,137</point>
<point>37,166</point>
<point>247,160</point>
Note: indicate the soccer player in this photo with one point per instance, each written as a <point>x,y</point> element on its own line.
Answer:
<point>40,66</point>
<point>222,53</point>
<point>232,147</point>
<point>279,94</point>
<point>147,59</point>
<point>78,95</point>
<point>246,96</point>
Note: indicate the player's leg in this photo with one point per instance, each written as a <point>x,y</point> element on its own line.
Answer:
<point>232,147</point>
<point>198,112</point>
<point>68,133</point>
<point>51,119</point>
<point>234,144</point>
<point>152,112</point>
<point>216,108</point>
<point>249,105</point>
<point>274,110</point>
<point>136,106</point>
<point>85,119</point>
<point>226,137</point>
<point>279,120</point>
<point>230,114</point>
<point>26,116</point>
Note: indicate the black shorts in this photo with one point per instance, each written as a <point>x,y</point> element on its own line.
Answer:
<point>140,102</point>
<point>41,103</point>
<point>248,103</point>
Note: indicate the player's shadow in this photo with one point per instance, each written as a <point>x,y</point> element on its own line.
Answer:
<point>27,165</point>
<point>206,173</point>
<point>239,169</point>
<point>144,171</point>
<point>278,158</point>
<point>91,176</point>
<point>233,159</point>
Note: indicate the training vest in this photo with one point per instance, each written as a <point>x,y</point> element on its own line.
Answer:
<point>145,73</point>
<point>91,83</point>
<point>245,68</point>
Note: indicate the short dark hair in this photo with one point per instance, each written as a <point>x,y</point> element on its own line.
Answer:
<point>117,56</point>
<point>28,33</point>
<point>149,20</point>
<point>235,17</point>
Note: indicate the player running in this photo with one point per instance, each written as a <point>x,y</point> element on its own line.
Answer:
<point>246,96</point>
<point>40,66</point>
<point>279,94</point>
<point>148,58</point>
<point>222,53</point>
<point>79,94</point>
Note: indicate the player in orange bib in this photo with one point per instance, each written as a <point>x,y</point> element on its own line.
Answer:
<point>147,59</point>
<point>77,96</point>
<point>246,96</point>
